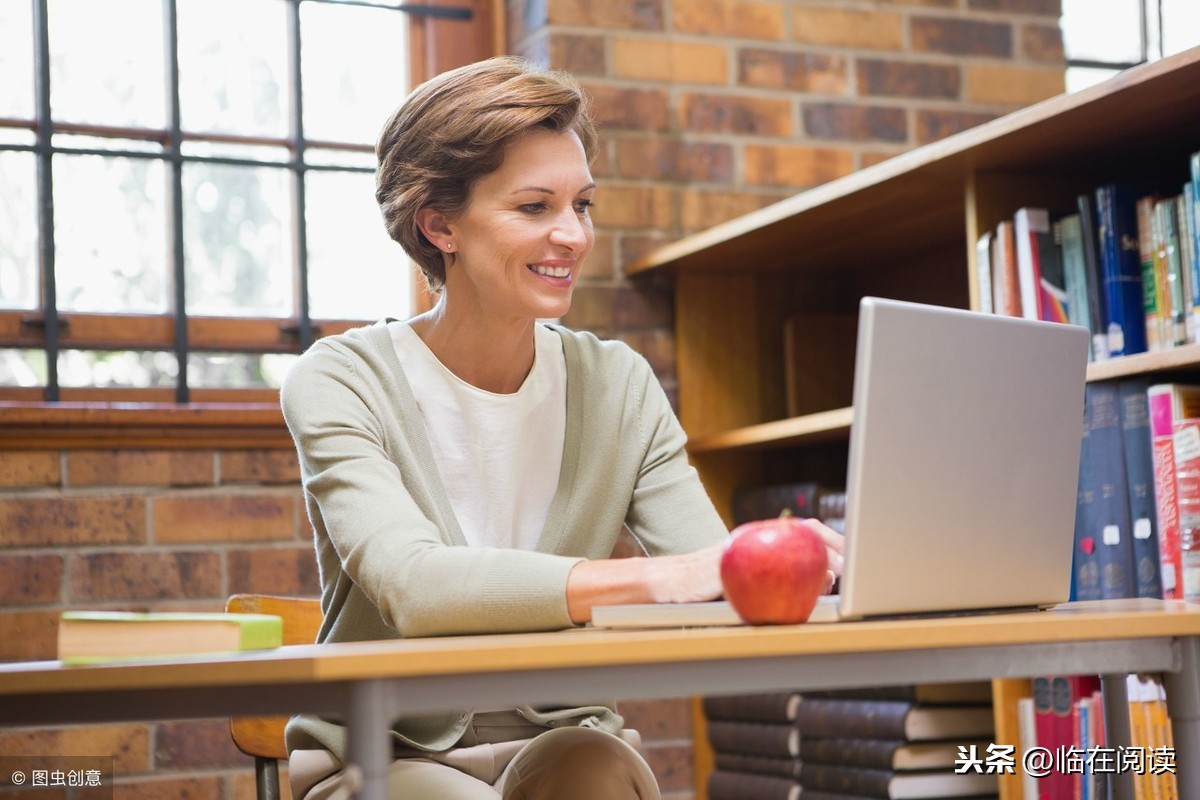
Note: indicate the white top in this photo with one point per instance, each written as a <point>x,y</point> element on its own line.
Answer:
<point>498,455</point>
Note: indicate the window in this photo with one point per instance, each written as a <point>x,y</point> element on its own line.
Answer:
<point>187,200</point>
<point>1103,37</point>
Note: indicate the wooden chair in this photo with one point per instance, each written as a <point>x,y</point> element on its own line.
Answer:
<point>262,737</point>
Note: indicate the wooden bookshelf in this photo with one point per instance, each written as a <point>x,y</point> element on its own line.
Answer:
<point>904,229</point>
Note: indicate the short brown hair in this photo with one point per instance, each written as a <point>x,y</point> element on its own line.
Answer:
<point>453,130</point>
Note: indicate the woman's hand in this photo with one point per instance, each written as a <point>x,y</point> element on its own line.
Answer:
<point>835,547</point>
<point>688,578</point>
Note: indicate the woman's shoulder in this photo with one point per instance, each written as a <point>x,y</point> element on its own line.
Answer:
<point>594,353</point>
<point>349,352</point>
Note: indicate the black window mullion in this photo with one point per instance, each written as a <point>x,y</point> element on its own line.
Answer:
<point>304,326</point>
<point>45,193</point>
<point>175,193</point>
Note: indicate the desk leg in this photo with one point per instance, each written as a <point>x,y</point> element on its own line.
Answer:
<point>1183,707</point>
<point>1116,729</point>
<point>369,745</point>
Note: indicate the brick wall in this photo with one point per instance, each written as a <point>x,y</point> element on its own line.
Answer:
<point>709,109</point>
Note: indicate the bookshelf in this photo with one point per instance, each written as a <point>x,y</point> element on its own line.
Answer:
<point>905,229</point>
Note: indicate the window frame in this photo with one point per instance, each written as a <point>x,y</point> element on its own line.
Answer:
<point>441,34</point>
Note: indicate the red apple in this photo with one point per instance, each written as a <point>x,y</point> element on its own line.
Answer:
<point>774,570</point>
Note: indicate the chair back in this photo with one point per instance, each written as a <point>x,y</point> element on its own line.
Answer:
<point>262,737</point>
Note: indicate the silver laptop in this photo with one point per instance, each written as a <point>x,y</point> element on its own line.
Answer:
<point>964,464</point>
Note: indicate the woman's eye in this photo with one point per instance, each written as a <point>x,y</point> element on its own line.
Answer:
<point>583,206</point>
<point>533,208</point>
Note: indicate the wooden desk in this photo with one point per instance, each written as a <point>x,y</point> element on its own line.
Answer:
<point>371,683</point>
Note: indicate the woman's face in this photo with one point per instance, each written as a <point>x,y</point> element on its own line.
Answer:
<point>527,228</point>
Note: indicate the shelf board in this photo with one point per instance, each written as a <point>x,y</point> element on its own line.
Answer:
<point>809,429</point>
<point>915,201</point>
<point>1184,357</point>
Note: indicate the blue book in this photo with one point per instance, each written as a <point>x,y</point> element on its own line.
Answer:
<point>1139,472</point>
<point>1094,281</point>
<point>1121,268</point>
<point>1103,561</point>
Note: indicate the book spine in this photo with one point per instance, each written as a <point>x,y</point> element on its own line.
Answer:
<point>724,785</point>
<point>845,780</point>
<point>765,502</point>
<point>1052,288</point>
<point>1027,724</point>
<point>1160,398</point>
<point>761,707</point>
<point>754,738</point>
<point>983,272</point>
<point>1095,282</point>
<point>1085,560</point>
<point>1028,224</point>
<point>1116,227</point>
<point>1187,259</point>
<point>1192,212</point>
<point>758,765</point>
<point>1075,275</point>
<point>852,719</point>
<point>1152,287</point>
<point>1186,446</point>
<point>1004,265</point>
<point>1139,469</point>
<point>863,753</point>
<point>1105,477</point>
<point>1167,215</point>
<point>1047,732</point>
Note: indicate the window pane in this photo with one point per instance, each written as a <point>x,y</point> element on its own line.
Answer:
<point>106,62</point>
<point>16,59</point>
<point>137,369</point>
<point>1181,25</point>
<point>237,370</point>
<point>110,235</point>
<point>1102,30</point>
<point>237,241</point>
<point>22,367</point>
<point>349,91</point>
<point>1083,77</point>
<point>81,142</point>
<point>355,271</point>
<point>328,157</point>
<point>18,224</point>
<point>233,66</point>
<point>251,152</point>
<point>23,136</point>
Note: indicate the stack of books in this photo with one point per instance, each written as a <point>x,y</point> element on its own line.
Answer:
<point>891,742</point>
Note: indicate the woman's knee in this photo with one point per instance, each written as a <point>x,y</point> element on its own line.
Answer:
<point>579,763</point>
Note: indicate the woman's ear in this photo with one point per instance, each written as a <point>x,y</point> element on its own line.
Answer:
<point>436,228</point>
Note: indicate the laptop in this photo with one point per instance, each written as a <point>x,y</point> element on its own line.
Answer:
<point>963,469</point>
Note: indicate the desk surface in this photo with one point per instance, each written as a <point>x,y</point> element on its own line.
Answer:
<point>589,648</point>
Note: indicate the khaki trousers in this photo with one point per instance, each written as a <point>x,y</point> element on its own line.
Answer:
<point>555,764</point>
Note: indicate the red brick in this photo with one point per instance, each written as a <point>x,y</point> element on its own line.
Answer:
<point>1012,85</point>
<point>224,517</point>
<point>644,15</point>
<point>620,307</point>
<point>30,579</point>
<point>634,247</point>
<point>924,3</point>
<point>672,764</point>
<point>729,19</point>
<point>276,570</point>
<point>796,166</point>
<point>754,116</point>
<point>658,719</point>
<point>844,122</point>
<point>72,520</point>
<point>129,745</point>
<point>196,744</point>
<point>1049,8</point>
<point>600,265</point>
<point>636,109</point>
<point>670,61</point>
<point>909,79</point>
<point>934,124</point>
<point>838,27</point>
<point>700,209</point>
<point>619,206</point>
<point>31,468</point>
<point>28,636</point>
<point>870,158</point>
<point>140,468</point>
<point>146,576</point>
<point>156,788</point>
<point>673,160</point>
<point>818,73</point>
<point>578,54</point>
<point>603,162</point>
<point>657,346</point>
<point>962,37</point>
<point>259,466</point>
<point>1042,43</point>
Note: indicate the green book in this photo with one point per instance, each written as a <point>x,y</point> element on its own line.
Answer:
<point>87,637</point>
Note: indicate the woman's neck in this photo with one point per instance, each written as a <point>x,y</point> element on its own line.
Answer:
<point>489,353</point>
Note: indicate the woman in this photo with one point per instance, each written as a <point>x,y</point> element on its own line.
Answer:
<point>469,470</point>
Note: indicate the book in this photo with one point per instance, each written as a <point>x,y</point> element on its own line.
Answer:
<point>780,767</point>
<point>1027,725</point>
<point>1116,231</point>
<point>891,719</point>
<point>894,784</point>
<point>886,754</point>
<point>800,499</point>
<point>983,272</point>
<point>1167,240</point>
<point>1039,266</point>
<point>665,615</point>
<point>955,692</point>
<point>1154,291</point>
<point>723,785</point>
<point>1075,276</point>
<point>758,707</point>
<point>99,636</point>
<point>1168,402</point>
<point>1187,489</point>
<point>1139,475</point>
<point>1006,283</point>
<point>778,739</point>
<point>1092,272</point>
<point>1102,564</point>
<point>1191,257</point>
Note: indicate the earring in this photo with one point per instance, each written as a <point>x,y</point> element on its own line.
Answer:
<point>449,246</point>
